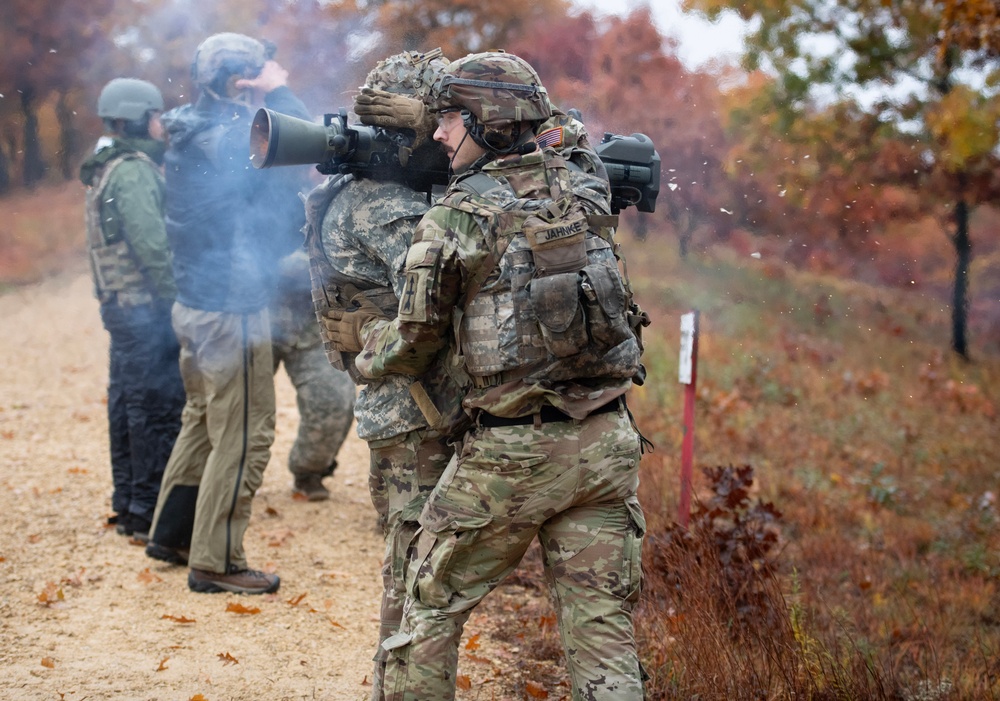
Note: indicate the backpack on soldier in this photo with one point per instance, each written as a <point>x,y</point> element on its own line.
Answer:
<point>550,302</point>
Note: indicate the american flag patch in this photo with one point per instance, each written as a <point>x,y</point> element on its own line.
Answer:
<point>550,138</point>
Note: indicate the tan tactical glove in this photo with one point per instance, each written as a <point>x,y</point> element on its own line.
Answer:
<point>343,326</point>
<point>379,108</point>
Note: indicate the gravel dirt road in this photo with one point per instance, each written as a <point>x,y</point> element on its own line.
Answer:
<point>84,614</point>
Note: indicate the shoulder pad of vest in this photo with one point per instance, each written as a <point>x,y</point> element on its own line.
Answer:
<point>478,183</point>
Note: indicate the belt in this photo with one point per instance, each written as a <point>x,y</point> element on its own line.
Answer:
<point>546,415</point>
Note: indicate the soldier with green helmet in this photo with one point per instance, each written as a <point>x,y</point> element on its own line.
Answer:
<point>358,233</point>
<point>130,263</point>
<point>515,268</point>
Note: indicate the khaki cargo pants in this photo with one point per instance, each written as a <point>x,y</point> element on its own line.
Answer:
<point>218,460</point>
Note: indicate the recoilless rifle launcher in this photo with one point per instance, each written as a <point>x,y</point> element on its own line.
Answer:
<point>335,146</point>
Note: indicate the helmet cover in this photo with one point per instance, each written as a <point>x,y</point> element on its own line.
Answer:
<point>496,87</point>
<point>227,54</point>
<point>408,73</point>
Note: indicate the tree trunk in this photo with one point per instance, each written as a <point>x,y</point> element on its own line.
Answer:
<point>960,301</point>
<point>68,137</point>
<point>4,172</point>
<point>33,166</point>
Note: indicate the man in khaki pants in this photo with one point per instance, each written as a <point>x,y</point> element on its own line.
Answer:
<point>222,222</point>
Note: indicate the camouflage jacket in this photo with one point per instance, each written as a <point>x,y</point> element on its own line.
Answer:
<point>293,322</point>
<point>449,249</point>
<point>131,209</point>
<point>366,231</point>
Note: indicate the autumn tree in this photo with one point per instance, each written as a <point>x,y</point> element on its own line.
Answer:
<point>625,77</point>
<point>461,26</point>
<point>822,52</point>
<point>971,24</point>
<point>46,43</point>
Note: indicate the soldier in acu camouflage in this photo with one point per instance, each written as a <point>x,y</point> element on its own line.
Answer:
<point>515,269</point>
<point>324,395</point>
<point>357,234</point>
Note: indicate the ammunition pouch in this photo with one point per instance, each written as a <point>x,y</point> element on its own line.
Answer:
<point>117,277</point>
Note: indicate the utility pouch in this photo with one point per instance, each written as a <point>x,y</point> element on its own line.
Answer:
<point>559,246</point>
<point>555,300</point>
<point>604,300</point>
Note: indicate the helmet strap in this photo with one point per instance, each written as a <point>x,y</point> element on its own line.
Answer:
<point>475,129</point>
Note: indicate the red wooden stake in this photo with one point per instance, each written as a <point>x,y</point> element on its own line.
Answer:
<point>688,375</point>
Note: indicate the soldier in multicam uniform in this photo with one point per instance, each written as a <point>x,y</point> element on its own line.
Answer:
<point>324,395</point>
<point>130,261</point>
<point>358,232</point>
<point>516,265</point>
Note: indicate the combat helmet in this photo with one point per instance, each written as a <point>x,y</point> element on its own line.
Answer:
<point>408,73</point>
<point>224,58</point>
<point>496,87</point>
<point>129,100</point>
<point>496,92</point>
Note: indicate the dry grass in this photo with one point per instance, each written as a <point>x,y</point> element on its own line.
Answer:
<point>41,232</point>
<point>881,451</point>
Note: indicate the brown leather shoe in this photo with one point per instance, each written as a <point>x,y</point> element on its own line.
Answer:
<point>236,581</point>
<point>311,487</point>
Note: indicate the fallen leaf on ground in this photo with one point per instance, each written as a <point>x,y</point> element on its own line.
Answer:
<point>536,691</point>
<point>227,658</point>
<point>463,682</point>
<point>163,664</point>
<point>473,643</point>
<point>240,608</point>
<point>296,600</point>
<point>48,662</point>
<point>51,594</point>
<point>147,577</point>
<point>178,619</point>
<point>275,539</point>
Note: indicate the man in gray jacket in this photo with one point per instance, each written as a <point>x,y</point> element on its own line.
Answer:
<point>222,215</point>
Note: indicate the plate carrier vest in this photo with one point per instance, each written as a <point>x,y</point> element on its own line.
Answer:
<point>549,303</point>
<point>115,271</point>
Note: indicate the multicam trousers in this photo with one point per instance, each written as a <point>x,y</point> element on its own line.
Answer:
<point>404,470</point>
<point>573,485</point>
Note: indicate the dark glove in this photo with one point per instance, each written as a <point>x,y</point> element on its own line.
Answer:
<point>380,108</point>
<point>343,326</point>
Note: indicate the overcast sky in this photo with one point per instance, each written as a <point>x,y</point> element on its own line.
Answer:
<point>700,41</point>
